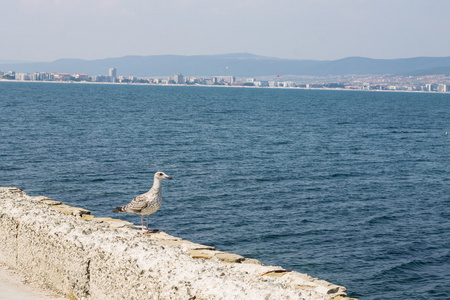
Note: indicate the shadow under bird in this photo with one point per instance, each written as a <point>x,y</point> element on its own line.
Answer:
<point>147,203</point>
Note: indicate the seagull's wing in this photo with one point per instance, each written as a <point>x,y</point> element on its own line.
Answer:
<point>137,204</point>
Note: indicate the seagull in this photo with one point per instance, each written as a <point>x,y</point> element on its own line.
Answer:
<point>147,203</point>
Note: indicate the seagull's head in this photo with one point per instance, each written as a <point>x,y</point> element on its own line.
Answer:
<point>161,176</point>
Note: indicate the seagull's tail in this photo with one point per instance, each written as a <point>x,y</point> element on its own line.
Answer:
<point>119,209</point>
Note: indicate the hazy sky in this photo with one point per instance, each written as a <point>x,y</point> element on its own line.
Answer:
<point>46,30</point>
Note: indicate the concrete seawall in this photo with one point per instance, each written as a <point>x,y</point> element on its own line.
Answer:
<point>85,257</point>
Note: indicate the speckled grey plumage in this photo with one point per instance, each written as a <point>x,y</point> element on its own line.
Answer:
<point>147,203</point>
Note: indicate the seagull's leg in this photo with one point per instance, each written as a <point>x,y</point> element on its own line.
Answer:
<point>142,222</point>
<point>148,230</point>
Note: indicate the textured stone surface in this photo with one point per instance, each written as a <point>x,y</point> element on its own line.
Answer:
<point>229,257</point>
<point>205,254</point>
<point>103,258</point>
<point>69,210</point>
<point>8,238</point>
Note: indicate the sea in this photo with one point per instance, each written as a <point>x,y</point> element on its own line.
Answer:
<point>351,187</point>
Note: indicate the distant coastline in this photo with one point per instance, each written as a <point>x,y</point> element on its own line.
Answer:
<point>429,74</point>
<point>230,86</point>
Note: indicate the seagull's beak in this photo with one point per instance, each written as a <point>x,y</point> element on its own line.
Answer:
<point>168,177</point>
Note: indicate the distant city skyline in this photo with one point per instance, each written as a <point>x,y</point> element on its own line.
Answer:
<point>47,30</point>
<point>430,83</point>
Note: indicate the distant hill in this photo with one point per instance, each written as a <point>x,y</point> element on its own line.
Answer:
<point>240,65</point>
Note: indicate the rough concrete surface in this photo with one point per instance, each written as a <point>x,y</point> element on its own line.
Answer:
<point>15,286</point>
<point>83,257</point>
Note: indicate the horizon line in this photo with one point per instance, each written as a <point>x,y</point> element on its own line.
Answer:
<point>17,61</point>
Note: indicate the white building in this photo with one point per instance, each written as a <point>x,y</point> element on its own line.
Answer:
<point>261,83</point>
<point>443,88</point>
<point>273,84</point>
<point>22,76</point>
<point>288,84</point>
<point>113,74</point>
<point>179,79</point>
<point>81,76</point>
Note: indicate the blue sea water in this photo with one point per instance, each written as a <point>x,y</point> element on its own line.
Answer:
<point>349,187</point>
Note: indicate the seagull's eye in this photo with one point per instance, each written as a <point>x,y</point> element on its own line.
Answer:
<point>160,174</point>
